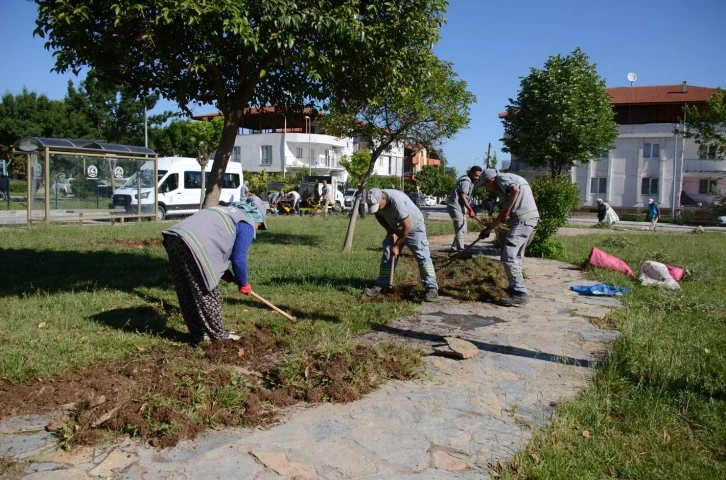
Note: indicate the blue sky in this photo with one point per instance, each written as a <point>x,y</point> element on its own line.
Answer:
<point>492,44</point>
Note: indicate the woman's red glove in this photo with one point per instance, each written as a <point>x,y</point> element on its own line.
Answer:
<point>246,288</point>
<point>472,213</point>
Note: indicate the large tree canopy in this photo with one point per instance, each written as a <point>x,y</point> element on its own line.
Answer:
<point>241,53</point>
<point>562,115</point>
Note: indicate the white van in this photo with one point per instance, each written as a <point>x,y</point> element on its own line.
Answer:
<point>180,187</point>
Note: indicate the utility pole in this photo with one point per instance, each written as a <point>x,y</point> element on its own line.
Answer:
<point>489,151</point>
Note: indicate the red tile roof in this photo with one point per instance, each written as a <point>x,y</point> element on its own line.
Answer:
<point>659,94</point>
<point>656,94</point>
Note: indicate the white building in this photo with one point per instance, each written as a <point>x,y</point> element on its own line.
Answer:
<point>290,144</point>
<point>647,153</point>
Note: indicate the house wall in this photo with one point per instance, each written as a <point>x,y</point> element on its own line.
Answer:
<point>625,166</point>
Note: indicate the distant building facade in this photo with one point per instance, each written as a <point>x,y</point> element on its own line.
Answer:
<point>649,160</point>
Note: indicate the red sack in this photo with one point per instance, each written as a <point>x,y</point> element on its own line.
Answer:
<point>676,272</point>
<point>598,258</point>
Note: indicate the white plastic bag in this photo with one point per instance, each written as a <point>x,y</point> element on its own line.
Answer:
<point>611,217</point>
<point>655,273</point>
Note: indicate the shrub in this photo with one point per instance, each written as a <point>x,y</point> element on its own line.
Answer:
<point>18,186</point>
<point>556,198</point>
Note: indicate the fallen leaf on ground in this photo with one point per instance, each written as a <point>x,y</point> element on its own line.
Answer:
<point>42,325</point>
<point>586,434</point>
<point>141,349</point>
<point>241,352</point>
<point>570,449</point>
<point>534,457</point>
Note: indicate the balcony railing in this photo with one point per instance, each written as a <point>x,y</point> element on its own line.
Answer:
<point>704,166</point>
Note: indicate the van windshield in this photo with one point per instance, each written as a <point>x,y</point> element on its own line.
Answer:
<point>146,179</point>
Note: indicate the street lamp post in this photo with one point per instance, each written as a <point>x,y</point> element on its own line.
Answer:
<point>284,147</point>
<point>310,151</point>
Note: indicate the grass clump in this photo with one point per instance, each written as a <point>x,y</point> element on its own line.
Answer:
<point>658,409</point>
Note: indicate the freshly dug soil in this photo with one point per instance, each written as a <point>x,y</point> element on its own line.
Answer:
<point>171,395</point>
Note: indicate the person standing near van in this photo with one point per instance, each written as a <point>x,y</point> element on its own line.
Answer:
<point>200,248</point>
<point>244,190</point>
<point>460,205</point>
<point>653,214</point>
<point>325,197</point>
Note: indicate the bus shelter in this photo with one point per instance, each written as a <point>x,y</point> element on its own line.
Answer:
<point>78,180</point>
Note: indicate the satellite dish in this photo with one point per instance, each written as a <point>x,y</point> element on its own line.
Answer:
<point>632,77</point>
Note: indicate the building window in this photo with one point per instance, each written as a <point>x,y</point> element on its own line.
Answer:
<point>649,186</point>
<point>327,157</point>
<point>266,155</point>
<point>651,150</point>
<point>707,187</point>
<point>237,154</point>
<point>598,185</point>
<point>711,152</point>
<point>604,155</point>
<point>299,153</point>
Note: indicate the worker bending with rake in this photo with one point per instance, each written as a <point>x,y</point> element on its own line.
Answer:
<point>459,206</point>
<point>404,224</point>
<point>521,211</point>
<point>199,249</point>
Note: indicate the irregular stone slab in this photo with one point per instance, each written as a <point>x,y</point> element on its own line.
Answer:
<point>74,456</point>
<point>45,467</point>
<point>223,464</point>
<point>279,462</point>
<point>23,424</point>
<point>443,461</point>
<point>394,444</point>
<point>70,474</point>
<point>458,348</point>
<point>343,460</point>
<point>115,462</point>
<point>22,446</point>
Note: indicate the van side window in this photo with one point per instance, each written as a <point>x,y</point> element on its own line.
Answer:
<point>231,180</point>
<point>171,183</point>
<point>192,180</point>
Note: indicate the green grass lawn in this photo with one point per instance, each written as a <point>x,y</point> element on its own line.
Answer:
<point>658,410</point>
<point>78,296</point>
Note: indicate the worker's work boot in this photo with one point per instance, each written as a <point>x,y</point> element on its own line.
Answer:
<point>431,295</point>
<point>515,299</point>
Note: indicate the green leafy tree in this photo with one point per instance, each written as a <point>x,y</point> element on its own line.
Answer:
<point>241,53</point>
<point>430,180</point>
<point>434,107</point>
<point>708,127</point>
<point>562,115</point>
<point>28,114</point>
<point>356,165</point>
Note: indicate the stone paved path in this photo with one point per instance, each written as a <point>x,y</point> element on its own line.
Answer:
<point>453,424</point>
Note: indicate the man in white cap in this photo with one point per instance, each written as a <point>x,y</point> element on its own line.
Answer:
<point>653,214</point>
<point>521,211</point>
<point>405,226</point>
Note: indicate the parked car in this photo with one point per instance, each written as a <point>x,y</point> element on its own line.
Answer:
<point>349,197</point>
<point>416,198</point>
<point>429,201</point>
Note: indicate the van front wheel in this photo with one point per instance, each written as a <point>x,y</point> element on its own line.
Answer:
<point>160,213</point>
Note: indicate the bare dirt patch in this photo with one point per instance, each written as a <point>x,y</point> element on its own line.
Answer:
<point>167,396</point>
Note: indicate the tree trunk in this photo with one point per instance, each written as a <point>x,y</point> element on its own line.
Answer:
<point>221,158</point>
<point>348,245</point>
